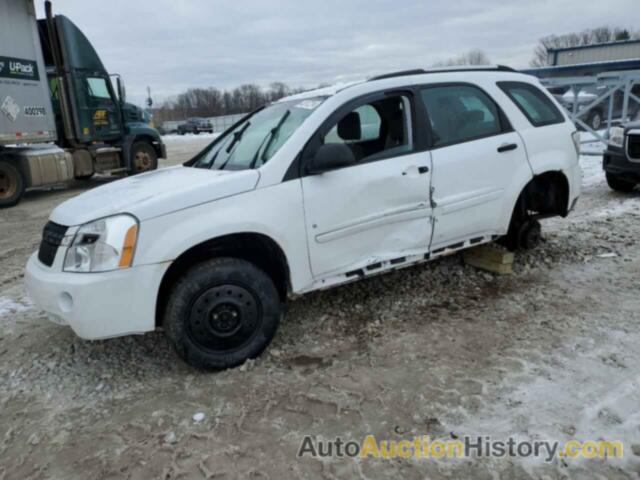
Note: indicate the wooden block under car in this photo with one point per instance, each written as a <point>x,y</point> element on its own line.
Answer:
<point>490,258</point>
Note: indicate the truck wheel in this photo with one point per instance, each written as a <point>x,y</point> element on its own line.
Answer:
<point>84,177</point>
<point>221,313</point>
<point>619,185</point>
<point>12,185</point>
<point>143,158</point>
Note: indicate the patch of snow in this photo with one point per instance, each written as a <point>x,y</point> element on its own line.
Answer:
<point>189,137</point>
<point>198,417</point>
<point>608,255</point>
<point>592,172</point>
<point>9,306</point>
<point>623,207</point>
<point>591,392</point>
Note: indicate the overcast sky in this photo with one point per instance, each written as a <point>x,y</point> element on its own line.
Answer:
<point>171,45</point>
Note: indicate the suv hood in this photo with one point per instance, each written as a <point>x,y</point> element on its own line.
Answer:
<point>154,194</point>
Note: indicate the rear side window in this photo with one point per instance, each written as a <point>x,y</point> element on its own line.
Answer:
<point>531,101</point>
<point>460,113</point>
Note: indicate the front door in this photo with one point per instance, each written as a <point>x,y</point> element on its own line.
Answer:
<point>378,209</point>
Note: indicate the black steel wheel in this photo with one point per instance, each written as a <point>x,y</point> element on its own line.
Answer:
<point>221,313</point>
<point>224,317</point>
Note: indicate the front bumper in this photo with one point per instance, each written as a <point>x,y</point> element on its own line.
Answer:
<point>97,305</point>
<point>616,162</point>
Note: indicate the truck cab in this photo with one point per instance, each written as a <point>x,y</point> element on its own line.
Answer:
<point>55,88</point>
<point>92,116</point>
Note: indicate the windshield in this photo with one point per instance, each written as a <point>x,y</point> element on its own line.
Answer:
<point>253,142</point>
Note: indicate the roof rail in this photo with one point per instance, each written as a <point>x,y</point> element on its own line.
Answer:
<point>421,71</point>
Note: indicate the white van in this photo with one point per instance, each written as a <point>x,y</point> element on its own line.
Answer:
<point>313,191</point>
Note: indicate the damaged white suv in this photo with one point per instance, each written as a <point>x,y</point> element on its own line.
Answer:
<point>313,191</point>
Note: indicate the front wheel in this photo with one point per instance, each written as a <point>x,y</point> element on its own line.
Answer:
<point>143,158</point>
<point>619,185</point>
<point>12,184</point>
<point>221,313</point>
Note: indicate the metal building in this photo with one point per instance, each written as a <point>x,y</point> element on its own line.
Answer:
<point>602,52</point>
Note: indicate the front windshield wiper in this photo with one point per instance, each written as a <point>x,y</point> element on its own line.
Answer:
<point>237,136</point>
<point>270,136</point>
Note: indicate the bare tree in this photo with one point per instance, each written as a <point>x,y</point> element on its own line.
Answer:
<point>586,37</point>
<point>211,102</point>
<point>472,57</point>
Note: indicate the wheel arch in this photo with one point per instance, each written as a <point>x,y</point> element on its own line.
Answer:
<point>145,137</point>
<point>257,248</point>
<point>547,194</point>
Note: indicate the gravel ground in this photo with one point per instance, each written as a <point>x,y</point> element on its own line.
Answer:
<point>550,352</point>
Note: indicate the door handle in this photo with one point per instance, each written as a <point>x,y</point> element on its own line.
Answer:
<point>506,147</point>
<point>412,170</point>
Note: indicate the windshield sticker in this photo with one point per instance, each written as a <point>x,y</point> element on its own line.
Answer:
<point>10,108</point>
<point>310,104</point>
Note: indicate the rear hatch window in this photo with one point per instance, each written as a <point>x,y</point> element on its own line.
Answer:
<point>533,103</point>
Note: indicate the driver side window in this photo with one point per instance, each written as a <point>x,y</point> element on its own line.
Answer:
<point>375,131</point>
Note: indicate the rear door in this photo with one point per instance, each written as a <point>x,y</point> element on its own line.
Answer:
<point>377,210</point>
<point>476,157</point>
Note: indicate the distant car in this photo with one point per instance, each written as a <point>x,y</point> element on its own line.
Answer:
<point>195,125</point>
<point>621,160</point>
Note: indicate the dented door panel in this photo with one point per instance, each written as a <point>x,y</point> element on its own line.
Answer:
<point>368,213</point>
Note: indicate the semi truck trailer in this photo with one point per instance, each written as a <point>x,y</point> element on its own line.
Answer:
<point>62,115</point>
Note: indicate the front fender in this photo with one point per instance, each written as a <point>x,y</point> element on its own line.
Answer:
<point>276,212</point>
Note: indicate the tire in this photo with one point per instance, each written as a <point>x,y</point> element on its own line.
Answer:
<point>525,233</point>
<point>221,313</point>
<point>618,184</point>
<point>12,184</point>
<point>84,177</point>
<point>595,120</point>
<point>144,158</point>
<point>529,235</point>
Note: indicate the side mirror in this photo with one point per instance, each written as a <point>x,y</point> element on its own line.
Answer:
<point>330,157</point>
<point>122,94</point>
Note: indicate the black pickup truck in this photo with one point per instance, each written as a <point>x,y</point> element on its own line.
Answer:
<point>621,159</point>
<point>195,125</point>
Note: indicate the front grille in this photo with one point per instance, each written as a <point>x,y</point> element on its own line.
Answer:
<point>633,147</point>
<point>52,237</point>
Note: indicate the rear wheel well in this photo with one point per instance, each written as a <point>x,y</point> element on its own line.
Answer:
<point>256,248</point>
<point>546,195</point>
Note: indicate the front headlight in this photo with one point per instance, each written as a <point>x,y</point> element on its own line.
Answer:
<point>616,136</point>
<point>103,245</point>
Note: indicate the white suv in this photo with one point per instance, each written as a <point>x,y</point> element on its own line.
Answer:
<point>313,191</point>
